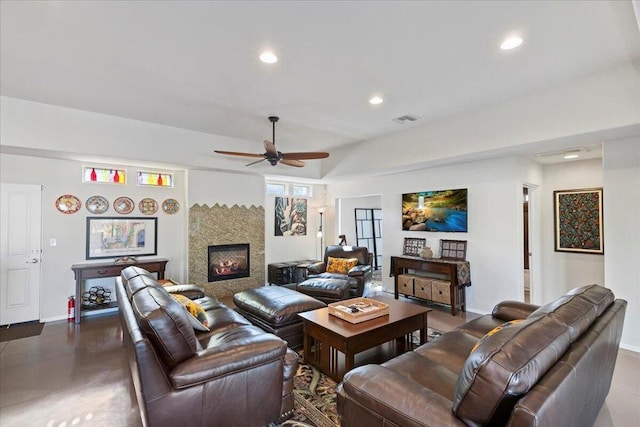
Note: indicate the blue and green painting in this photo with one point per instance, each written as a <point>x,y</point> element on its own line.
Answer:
<point>444,210</point>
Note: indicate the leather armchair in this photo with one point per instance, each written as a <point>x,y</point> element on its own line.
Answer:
<point>359,276</point>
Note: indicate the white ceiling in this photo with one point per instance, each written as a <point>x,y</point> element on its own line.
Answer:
<point>194,64</point>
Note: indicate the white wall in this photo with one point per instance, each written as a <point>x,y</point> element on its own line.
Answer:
<point>345,218</point>
<point>564,271</point>
<point>621,176</point>
<point>494,219</point>
<point>293,248</point>
<point>60,177</point>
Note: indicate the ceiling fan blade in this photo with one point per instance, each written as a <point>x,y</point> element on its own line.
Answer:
<point>309,155</point>
<point>296,163</point>
<point>257,161</point>
<point>236,153</point>
<point>271,148</point>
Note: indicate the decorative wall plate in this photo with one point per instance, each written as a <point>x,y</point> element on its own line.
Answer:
<point>68,204</point>
<point>97,204</point>
<point>170,206</point>
<point>123,205</point>
<point>148,206</point>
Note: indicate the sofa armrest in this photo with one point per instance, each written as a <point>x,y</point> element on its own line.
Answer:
<point>359,270</point>
<point>513,310</point>
<point>228,358</point>
<point>317,268</point>
<point>379,390</point>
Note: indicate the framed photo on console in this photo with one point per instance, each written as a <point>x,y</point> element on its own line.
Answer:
<point>112,237</point>
<point>453,249</point>
<point>578,221</point>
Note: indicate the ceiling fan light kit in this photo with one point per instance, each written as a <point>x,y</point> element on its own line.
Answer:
<point>273,156</point>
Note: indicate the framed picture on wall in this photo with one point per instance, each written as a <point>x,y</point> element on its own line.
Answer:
<point>578,221</point>
<point>111,237</point>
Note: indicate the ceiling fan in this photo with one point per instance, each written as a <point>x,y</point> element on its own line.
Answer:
<point>273,156</point>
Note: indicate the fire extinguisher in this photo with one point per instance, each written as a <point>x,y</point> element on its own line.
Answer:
<point>71,309</point>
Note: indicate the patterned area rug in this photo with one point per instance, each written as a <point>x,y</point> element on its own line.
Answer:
<point>20,330</point>
<point>315,396</point>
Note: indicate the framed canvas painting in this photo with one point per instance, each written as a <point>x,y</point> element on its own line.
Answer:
<point>578,221</point>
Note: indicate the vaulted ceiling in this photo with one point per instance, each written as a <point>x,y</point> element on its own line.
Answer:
<point>194,64</point>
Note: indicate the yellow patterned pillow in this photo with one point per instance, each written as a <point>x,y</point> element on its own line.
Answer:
<point>197,316</point>
<point>341,265</point>
<point>495,331</point>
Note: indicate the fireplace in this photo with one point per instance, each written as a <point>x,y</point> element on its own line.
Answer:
<point>228,262</point>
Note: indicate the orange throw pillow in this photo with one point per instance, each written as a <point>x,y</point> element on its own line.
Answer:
<point>341,265</point>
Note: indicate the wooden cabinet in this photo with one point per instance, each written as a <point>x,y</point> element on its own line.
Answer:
<point>437,280</point>
<point>88,271</point>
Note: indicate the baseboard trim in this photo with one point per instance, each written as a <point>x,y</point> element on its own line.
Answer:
<point>634,348</point>
<point>53,319</point>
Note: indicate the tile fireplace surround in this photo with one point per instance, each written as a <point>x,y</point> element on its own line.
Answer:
<point>223,225</point>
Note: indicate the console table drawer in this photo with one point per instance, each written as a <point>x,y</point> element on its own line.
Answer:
<point>422,287</point>
<point>92,273</point>
<point>441,291</point>
<point>405,284</point>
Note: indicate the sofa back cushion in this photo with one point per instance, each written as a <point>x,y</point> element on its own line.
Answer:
<point>337,251</point>
<point>165,323</point>
<point>135,284</point>
<point>134,271</point>
<point>578,309</point>
<point>505,366</point>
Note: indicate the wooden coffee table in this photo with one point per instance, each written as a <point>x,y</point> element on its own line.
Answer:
<point>326,335</point>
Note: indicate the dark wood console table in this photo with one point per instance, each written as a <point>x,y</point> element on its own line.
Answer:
<point>87,271</point>
<point>456,273</point>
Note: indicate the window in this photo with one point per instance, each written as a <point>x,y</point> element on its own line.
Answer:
<point>107,175</point>
<point>276,189</point>
<point>155,179</point>
<point>302,190</point>
<point>282,189</point>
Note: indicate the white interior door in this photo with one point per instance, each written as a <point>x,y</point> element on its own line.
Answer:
<point>20,247</point>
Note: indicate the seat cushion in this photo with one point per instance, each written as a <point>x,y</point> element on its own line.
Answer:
<point>325,288</point>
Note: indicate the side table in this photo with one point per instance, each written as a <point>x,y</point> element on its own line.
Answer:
<point>86,271</point>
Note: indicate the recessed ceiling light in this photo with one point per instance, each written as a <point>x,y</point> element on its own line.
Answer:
<point>511,43</point>
<point>376,100</point>
<point>268,57</point>
<point>571,156</point>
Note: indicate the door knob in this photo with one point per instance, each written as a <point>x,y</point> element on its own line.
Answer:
<point>33,261</point>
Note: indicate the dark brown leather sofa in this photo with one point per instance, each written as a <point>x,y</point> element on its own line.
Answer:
<point>553,368</point>
<point>358,277</point>
<point>235,374</point>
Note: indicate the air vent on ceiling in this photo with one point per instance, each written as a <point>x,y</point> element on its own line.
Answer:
<point>566,151</point>
<point>407,118</point>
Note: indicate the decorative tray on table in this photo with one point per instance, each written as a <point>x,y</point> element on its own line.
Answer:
<point>358,310</point>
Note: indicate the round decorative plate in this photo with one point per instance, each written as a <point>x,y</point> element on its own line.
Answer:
<point>97,204</point>
<point>123,205</point>
<point>148,206</point>
<point>68,204</point>
<point>170,206</point>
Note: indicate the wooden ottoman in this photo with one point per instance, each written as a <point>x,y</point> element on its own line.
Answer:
<point>275,309</point>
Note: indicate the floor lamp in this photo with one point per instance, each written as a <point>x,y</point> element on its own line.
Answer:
<point>320,235</point>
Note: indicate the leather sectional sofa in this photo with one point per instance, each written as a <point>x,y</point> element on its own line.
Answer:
<point>233,374</point>
<point>547,366</point>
